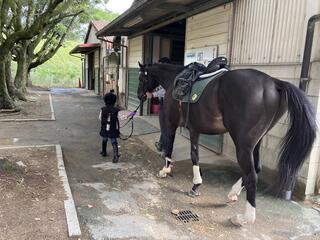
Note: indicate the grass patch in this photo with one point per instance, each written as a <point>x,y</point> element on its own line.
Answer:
<point>6,166</point>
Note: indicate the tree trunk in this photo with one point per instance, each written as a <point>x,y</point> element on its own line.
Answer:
<point>5,100</point>
<point>13,91</point>
<point>29,81</point>
<point>21,77</point>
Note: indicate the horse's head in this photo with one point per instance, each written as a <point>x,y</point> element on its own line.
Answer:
<point>147,81</point>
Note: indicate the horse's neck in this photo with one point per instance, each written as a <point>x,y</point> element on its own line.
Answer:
<point>166,75</point>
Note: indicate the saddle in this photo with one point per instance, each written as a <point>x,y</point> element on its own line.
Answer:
<point>192,80</point>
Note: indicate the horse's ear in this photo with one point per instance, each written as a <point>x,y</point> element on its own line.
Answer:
<point>140,65</point>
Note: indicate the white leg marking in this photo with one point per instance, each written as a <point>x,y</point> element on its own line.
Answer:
<point>249,216</point>
<point>235,190</point>
<point>165,170</point>
<point>196,175</point>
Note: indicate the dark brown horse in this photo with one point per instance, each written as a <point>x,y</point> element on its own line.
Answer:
<point>246,103</point>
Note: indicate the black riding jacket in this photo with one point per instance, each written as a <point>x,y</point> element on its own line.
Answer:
<point>109,122</point>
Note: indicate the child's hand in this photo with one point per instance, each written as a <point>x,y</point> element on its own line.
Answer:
<point>125,114</point>
<point>132,114</point>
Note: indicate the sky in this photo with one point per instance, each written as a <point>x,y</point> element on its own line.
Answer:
<point>118,6</point>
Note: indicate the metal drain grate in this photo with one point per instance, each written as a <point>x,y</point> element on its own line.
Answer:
<point>186,216</point>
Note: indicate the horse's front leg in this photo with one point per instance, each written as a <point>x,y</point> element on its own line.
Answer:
<point>169,141</point>
<point>197,179</point>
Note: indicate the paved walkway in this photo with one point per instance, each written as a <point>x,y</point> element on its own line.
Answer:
<point>127,201</point>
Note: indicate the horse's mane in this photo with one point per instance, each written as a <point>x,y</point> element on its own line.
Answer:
<point>168,66</point>
<point>164,73</point>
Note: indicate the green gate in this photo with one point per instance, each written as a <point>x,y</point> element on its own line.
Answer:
<point>133,82</point>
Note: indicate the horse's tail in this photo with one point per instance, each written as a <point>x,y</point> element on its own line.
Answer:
<point>297,143</point>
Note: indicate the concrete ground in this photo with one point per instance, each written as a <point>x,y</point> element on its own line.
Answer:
<point>127,200</point>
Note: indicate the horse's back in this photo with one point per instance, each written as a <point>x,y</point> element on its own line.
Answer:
<point>247,85</point>
<point>246,76</point>
<point>248,97</point>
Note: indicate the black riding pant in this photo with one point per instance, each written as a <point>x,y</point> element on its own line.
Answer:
<point>162,123</point>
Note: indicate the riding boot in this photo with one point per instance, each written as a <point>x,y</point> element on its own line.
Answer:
<point>104,149</point>
<point>115,153</point>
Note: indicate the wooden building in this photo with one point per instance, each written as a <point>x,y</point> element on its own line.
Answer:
<point>100,61</point>
<point>268,35</point>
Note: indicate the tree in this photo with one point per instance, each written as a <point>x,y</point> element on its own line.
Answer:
<point>26,25</point>
<point>28,57</point>
<point>13,14</point>
<point>27,53</point>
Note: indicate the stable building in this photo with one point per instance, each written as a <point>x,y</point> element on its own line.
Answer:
<point>100,60</point>
<point>268,35</point>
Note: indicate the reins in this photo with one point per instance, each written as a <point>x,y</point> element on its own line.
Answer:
<point>129,120</point>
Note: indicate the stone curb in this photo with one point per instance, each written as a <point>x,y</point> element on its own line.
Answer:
<point>69,205</point>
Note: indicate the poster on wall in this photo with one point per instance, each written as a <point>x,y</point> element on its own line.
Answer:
<point>201,55</point>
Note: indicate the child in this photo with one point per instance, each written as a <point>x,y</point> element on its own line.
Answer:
<point>110,125</point>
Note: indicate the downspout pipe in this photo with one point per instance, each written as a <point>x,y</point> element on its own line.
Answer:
<point>304,76</point>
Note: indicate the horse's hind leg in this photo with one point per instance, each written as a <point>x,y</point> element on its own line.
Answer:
<point>235,190</point>
<point>246,162</point>
<point>197,180</point>
<point>256,156</point>
<point>238,186</point>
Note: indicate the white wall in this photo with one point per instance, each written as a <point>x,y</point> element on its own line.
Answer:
<point>135,51</point>
<point>92,38</point>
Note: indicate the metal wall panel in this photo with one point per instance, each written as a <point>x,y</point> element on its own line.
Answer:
<point>210,28</point>
<point>135,51</point>
<point>268,31</point>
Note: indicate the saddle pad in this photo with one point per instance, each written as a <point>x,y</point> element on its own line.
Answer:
<point>198,87</point>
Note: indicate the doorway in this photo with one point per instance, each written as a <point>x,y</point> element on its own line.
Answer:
<point>169,42</point>
<point>91,74</point>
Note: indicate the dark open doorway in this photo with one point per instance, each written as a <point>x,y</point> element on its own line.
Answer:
<point>91,76</point>
<point>168,41</point>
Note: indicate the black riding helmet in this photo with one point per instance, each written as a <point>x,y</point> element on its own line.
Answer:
<point>110,98</point>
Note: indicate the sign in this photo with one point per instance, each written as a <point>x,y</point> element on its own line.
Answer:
<point>201,55</point>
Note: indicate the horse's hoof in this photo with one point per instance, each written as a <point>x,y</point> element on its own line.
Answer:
<point>233,197</point>
<point>193,193</point>
<point>164,172</point>
<point>161,175</point>
<point>240,220</point>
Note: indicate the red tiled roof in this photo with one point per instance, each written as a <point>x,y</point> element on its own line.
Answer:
<point>84,48</point>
